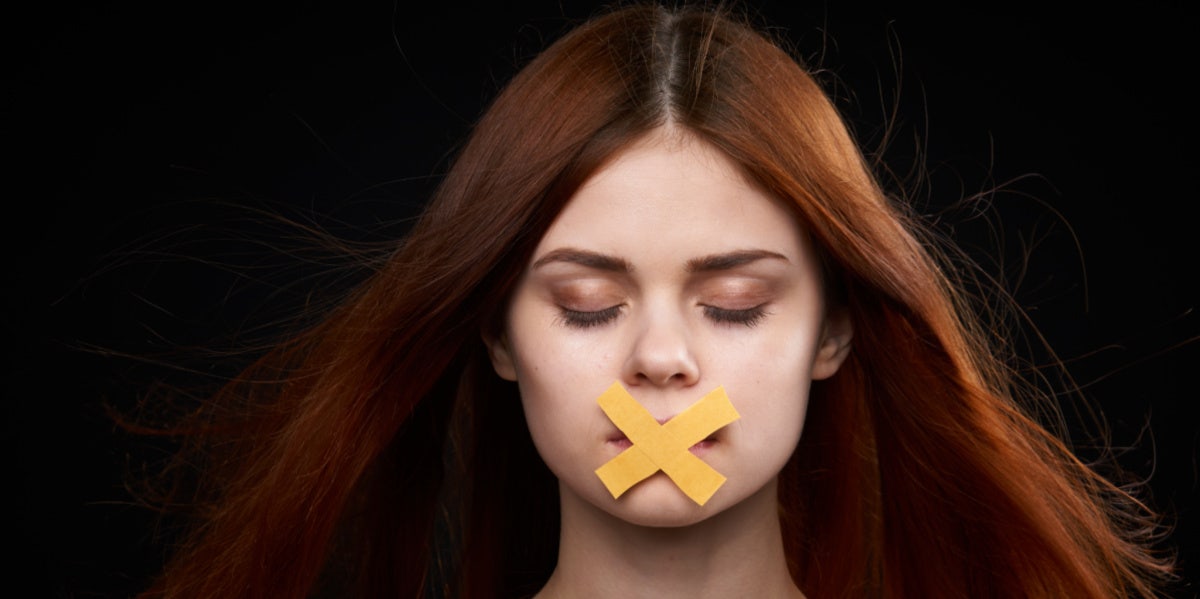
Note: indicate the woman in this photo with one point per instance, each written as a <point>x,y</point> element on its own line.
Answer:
<point>666,201</point>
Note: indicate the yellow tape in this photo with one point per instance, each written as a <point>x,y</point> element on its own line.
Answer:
<point>664,447</point>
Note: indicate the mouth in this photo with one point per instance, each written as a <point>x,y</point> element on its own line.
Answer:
<point>621,442</point>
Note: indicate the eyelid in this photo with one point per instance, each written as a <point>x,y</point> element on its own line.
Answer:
<point>737,287</point>
<point>585,294</point>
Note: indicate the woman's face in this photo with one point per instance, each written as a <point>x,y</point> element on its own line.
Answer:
<point>671,273</point>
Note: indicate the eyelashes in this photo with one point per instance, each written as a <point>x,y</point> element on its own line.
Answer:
<point>748,317</point>
<point>583,319</point>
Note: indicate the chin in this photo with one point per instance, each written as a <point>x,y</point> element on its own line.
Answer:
<point>656,502</point>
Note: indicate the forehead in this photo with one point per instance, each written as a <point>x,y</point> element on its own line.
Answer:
<point>669,193</point>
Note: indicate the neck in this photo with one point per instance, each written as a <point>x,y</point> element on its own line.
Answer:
<point>737,552</point>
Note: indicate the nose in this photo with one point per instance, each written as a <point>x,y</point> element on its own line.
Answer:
<point>662,354</point>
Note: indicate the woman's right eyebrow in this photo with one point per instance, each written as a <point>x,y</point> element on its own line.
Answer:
<point>586,258</point>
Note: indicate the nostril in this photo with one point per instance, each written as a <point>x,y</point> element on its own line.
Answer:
<point>661,357</point>
<point>662,380</point>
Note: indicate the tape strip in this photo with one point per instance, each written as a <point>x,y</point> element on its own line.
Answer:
<point>664,447</point>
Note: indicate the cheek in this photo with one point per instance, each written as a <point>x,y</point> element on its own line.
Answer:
<point>767,360</point>
<point>771,378</point>
<point>559,401</point>
<point>566,429</point>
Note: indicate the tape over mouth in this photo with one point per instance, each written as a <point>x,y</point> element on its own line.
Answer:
<point>664,447</point>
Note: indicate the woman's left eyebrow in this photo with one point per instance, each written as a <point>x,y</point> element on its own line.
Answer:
<point>718,262</point>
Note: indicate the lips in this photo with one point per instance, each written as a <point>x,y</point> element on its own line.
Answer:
<point>622,442</point>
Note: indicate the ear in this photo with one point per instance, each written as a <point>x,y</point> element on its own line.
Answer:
<point>501,355</point>
<point>834,345</point>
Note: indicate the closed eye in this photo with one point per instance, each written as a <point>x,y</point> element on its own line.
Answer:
<point>583,319</point>
<point>747,317</point>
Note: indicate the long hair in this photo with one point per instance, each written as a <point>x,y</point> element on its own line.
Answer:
<point>377,454</point>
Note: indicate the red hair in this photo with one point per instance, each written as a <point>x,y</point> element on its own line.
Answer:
<point>378,455</point>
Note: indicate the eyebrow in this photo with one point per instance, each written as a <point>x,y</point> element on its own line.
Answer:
<point>605,262</point>
<point>731,260</point>
<point>586,258</point>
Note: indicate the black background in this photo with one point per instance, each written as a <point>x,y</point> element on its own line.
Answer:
<point>140,136</point>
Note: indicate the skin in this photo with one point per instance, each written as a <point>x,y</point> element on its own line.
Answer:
<point>672,273</point>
